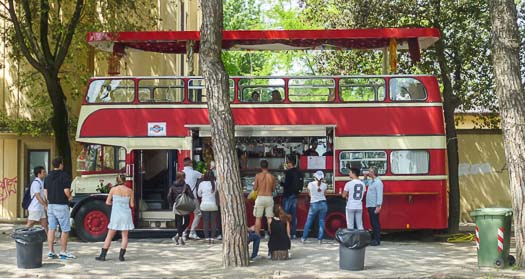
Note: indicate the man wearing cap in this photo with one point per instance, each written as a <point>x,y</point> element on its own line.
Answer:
<point>374,199</point>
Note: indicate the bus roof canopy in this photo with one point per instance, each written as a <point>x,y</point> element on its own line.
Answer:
<point>412,39</point>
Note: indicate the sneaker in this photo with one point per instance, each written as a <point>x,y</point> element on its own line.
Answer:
<point>52,255</point>
<point>193,235</point>
<point>184,237</point>
<point>66,255</point>
<point>252,259</point>
<point>303,240</point>
<point>320,241</point>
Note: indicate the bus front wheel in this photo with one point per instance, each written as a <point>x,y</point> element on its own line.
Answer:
<point>91,221</point>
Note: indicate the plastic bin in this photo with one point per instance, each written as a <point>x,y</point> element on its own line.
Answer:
<point>352,247</point>
<point>29,245</point>
<point>493,235</point>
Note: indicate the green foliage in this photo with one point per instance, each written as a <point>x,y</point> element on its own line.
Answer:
<point>24,126</point>
<point>103,188</point>
<point>465,31</point>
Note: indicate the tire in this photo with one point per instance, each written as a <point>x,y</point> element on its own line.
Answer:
<point>335,217</point>
<point>91,221</point>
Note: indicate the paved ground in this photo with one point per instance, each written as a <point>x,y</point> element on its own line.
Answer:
<point>399,257</point>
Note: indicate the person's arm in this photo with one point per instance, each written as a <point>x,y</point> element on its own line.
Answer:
<point>132,199</point>
<point>109,199</point>
<point>199,192</point>
<point>379,196</point>
<point>288,230</point>
<point>67,192</point>
<point>67,187</point>
<point>41,200</point>
<point>256,183</point>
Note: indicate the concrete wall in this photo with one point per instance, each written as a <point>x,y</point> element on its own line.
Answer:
<point>483,174</point>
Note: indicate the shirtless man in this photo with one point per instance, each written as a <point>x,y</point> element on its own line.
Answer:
<point>264,185</point>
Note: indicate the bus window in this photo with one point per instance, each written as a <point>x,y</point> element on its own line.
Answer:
<point>362,89</point>
<point>261,90</point>
<point>95,157</point>
<point>407,89</point>
<point>161,90</point>
<point>409,161</point>
<point>197,90</point>
<point>311,89</point>
<point>362,160</point>
<point>111,91</point>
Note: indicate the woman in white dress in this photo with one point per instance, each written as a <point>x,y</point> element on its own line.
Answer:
<point>121,199</point>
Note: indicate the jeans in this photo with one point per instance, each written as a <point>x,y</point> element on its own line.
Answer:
<point>290,206</point>
<point>376,227</point>
<point>317,208</point>
<point>256,239</point>
<point>354,215</point>
<point>209,224</point>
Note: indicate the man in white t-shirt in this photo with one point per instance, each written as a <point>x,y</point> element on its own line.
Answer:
<point>354,191</point>
<point>38,206</point>
<point>191,179</point>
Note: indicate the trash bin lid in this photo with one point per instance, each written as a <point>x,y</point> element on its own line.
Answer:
<point>492,211</point>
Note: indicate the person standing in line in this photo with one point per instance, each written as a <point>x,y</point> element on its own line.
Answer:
<point>264,184</point>
<point>120,198</point>
<point>191,179</point>
<point>312,150</point>
<point>38,206</point>
<point>374,200</point>
<point>318,206</point>
<point>353,192</point>
<point>293,184</point>
<point>256,239</point>
<point>208,190</point>
<point>58,186</point>
<point>182,219</point>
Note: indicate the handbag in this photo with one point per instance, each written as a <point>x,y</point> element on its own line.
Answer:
<point>184,204</point>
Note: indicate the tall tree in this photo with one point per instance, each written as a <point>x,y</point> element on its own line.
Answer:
<point>233,208</point>
<point>509,89</point>
<point>31,22</point>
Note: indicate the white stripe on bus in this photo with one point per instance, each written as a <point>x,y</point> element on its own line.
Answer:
<point>401,177</point>
<point>389,142</point>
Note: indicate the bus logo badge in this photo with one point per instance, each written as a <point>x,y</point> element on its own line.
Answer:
<point>156,129</point>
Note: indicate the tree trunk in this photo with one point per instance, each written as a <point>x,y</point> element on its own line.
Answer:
<point>450,103</point>
<point>505,47</point>
<point>60,120</point>
<point>233,208</point>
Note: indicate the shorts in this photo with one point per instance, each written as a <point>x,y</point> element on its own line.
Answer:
<point>58,214</point>
<point>36,215</point>
<point>263,206</point>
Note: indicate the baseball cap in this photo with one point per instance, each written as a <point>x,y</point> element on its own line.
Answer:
<point>319,175</point>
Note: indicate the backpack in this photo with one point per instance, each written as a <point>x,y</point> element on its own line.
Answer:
<point>27,199</point>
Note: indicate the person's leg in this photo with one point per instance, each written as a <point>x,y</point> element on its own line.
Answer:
<point>257,225</point>
<point>30,223</point>
<point>125,239</point>
<point>196,218</point>
<point>65,225</point>
<point>206,223</point>
<point>219,227</point>
<point>213,219</point>
<point>109,238</point>
<point>53,222</point>
<point>359,219</point>
<point>43,223</point>
<point>309,221</point>
<point>323,209</point>
<point>375,225</point>
<point>292,210</point>
<point>349,222</point>
<point>256,239</point>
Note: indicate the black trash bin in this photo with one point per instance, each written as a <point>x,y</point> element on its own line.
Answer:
<point>352,246</point>
<point>29,245</point>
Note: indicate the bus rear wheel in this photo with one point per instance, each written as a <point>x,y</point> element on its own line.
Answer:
<point>91,221</point>
<point>336,217</point>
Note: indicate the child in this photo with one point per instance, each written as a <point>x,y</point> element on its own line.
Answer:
<point>279,229</point>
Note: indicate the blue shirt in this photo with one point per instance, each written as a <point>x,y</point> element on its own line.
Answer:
<point>374,194</point>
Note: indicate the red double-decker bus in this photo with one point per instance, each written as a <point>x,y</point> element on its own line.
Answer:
<point>145,126</point>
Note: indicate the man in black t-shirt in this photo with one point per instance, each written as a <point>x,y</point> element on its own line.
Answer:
<point>58,187</point>
<point>293,179</point>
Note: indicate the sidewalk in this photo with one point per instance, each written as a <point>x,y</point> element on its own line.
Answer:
<point>160,258</point>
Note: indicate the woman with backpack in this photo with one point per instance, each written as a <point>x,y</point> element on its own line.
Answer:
<point>318,205</point>
<point>120,198</point>
<point>182,218</point>
<point>207,189</point>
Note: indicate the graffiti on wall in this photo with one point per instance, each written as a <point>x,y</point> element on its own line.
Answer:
<point>8,187</point>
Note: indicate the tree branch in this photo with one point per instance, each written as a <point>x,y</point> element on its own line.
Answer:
<point>44,31</point>
<point>20,38</point>
<point>70,29</point>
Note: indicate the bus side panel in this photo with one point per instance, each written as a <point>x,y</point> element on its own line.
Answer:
<point>412,205</point>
